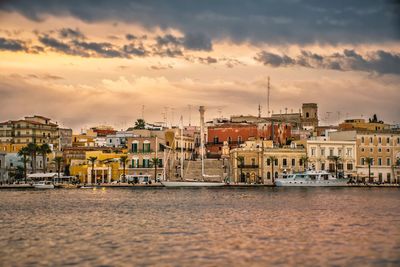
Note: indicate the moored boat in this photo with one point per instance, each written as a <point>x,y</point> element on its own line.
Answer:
<point>311,178</point>
<point>44,185</point>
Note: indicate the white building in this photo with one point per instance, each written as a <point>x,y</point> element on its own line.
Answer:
<point>320,152</point>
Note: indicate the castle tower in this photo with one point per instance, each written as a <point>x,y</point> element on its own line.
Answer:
<point>309,116</point>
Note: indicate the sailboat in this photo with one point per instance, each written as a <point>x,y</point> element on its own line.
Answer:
<point>195,183</point>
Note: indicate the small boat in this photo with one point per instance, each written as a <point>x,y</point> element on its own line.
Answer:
<point>311,178</point>
<point>86,187</point>
<point>44,185</point>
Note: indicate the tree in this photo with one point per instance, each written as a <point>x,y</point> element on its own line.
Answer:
<point>123,159</point>
<point>58,160</point>
<point>140,124</point>
<point>155,162</point>
<point>240,160</point>
<point>92,160</point>
<point>33,150</point>
<point>336,160</point>
<point>304,160</point>
<point>272,159</point>
<point>24,153</point>
<point>369,161</point>
<point>44,149</point>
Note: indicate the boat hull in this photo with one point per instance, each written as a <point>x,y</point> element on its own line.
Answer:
<point>46,186</point>
<point>190,184</point>
<point>305,183</point>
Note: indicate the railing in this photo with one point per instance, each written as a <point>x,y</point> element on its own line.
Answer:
<point>142,151</point>
<point>247,166</point>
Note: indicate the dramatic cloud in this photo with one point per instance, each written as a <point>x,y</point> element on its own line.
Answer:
<point>101,49</point>
<point>380,61</point>
<point>269,21</point>
<point>12,45</point>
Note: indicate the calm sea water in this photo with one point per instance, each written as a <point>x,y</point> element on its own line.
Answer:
<point>201,227</point>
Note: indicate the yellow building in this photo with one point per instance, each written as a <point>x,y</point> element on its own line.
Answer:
<point>107,167</point>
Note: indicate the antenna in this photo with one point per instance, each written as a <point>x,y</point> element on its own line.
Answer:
<point>190,115</point>
<point>268,93</point>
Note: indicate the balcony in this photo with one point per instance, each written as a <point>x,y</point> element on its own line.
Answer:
<point>250,166</point>
<point>141,151</point>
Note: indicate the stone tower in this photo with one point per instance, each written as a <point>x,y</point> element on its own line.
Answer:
<point>309,116</point>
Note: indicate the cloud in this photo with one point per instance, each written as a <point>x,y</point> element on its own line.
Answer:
<point>255,21</point>
<point>12,45</point>
<point>101,49</point>
<point>130,37</point>
<point>60,46</point>
<point>197,42</point>
<point>70,33</point>
<point>207,60</point>
<point>381,62</point>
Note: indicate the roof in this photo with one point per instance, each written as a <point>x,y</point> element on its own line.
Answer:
<point>42,175</point>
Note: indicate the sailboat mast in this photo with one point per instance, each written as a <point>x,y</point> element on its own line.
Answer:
<point>202,110</point>
<point>181,147</point>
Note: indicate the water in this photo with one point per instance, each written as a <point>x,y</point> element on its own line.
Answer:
<point>200,227</point>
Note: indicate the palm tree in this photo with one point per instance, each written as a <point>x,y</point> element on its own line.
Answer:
<point>336,160</point>
<point>272,159</point>
<point>33,150</point>
<point>369,161</point>
<point>24,153</point>
<point>58,160</point>
<point>155,162</point>
<point>140,124</point>
<point>92,160</point>
<point>123,159</point>
<point>240,160</point>
<point>44,150</point>
<point>304,159</point>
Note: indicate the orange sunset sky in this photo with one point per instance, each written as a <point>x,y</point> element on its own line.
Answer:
<point>84,63</point>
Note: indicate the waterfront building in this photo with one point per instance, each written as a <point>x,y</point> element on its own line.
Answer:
<point>119,139</point>
<point>107,167</point>
<point>323,153</point>
<point>32,129</point>
<point>382,147</point>
<point>259,161</point>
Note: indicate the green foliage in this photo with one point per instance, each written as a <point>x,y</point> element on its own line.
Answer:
<point>140,124</point>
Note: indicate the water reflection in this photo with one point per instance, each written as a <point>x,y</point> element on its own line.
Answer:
<point>260,226</point>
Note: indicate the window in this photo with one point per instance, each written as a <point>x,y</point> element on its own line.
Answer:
<point>215,140</point>
<point>229,140</point>
<point>284,162</point>
<point>371,150</point>
<point>380,140</point>
<point>339,152</point>
<point>379,161</point>
<point>388,161</point>
<point>349,166</point>
<point>313,151</point>
<point>362,139</point>
<point>322,151</point>
<point>388,150</point>
<point>387,140</point>
<point>268,175</point>
<point>307,115</point>
<point>268,162</point>
<point>323,166</point>
<point>362,161</point>
<point>134,147</point>
<point>379,150</point>
<point>253,162</point>
<point>331,152</point>
<point>293,162</point>
<point>239,139</point>
<point>370,140</point>
<point>276,162</point>
<point>349,152</point>
<point>362,149</point>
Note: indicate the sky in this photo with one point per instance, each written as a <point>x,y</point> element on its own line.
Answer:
<point>87,63</point>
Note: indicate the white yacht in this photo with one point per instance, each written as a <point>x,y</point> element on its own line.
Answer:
<point>311,178</point>
<point>43,185</point>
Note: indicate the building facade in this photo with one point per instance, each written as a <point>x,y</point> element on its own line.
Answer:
<point>322,155</point>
